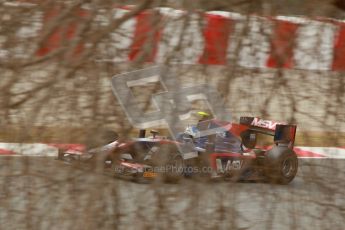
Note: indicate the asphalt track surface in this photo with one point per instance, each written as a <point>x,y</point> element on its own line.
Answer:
<point>42,193</point>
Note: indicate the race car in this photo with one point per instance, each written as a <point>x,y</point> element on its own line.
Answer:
<point>213,148</point>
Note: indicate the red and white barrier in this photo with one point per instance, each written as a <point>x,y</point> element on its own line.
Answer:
<point>220,38</point>
<point>51,150</point>
<point>210,38</point>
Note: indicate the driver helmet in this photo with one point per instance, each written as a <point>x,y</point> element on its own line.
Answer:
<point>204,115</point>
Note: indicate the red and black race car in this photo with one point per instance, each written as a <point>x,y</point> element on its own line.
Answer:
<point>213,148</point>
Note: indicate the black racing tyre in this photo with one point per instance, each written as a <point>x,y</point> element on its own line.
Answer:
<point>175,169</point>
<point>61,153</point>
<point>168,163</point>
<point>281,165</point>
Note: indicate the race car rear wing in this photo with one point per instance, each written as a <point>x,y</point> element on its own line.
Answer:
<point>260,123</point>
<point>284,134</point>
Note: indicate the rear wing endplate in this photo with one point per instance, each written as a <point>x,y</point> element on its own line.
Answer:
<point>285,134</point>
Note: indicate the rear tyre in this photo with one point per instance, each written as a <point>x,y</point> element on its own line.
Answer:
<point>281,165</point>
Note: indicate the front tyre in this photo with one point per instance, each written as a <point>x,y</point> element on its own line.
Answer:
<point>169,160</point>
<point>281,165</point>
<point>174,169</point>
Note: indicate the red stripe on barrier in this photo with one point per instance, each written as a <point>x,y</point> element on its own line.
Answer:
<point>146,37</point>
<point>53,41</point>
<point>62,33</point>
<point>339,49</point>
<point>6,152</point>
<point>308,154</point>
<point>281,55</point>
<point>65,147</point>
<point>216,34</point>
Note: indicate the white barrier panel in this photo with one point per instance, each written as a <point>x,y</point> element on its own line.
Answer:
<point>314,46</point>
<point>255,47</point>
<point>30,149</point>
<point>182,39</point>
<point>122,38</point>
